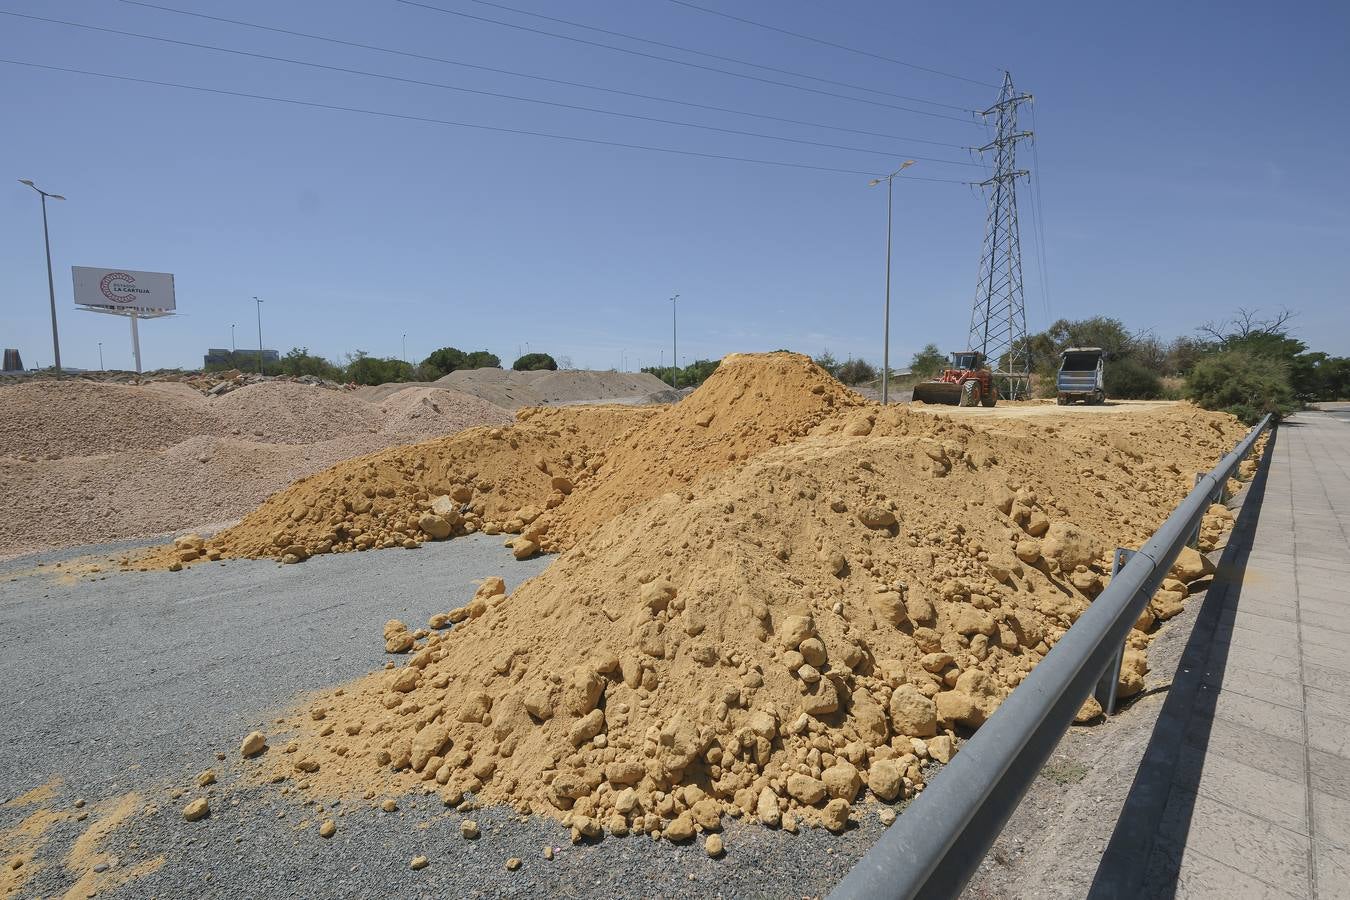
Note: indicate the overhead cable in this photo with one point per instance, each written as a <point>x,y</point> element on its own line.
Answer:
<point>482,93</point>
<point>704,53</point>
<point>577,84</point>
<point>814,39</point>
<point>455,124</point>
<point>682,62</point>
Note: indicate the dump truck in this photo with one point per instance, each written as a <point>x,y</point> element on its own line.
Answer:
<point>966,382</point>
<point>1080,376</point>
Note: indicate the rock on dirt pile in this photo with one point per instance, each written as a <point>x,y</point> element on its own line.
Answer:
<point>556,475</point>
<point>485,478</point>
<point>775,639</point>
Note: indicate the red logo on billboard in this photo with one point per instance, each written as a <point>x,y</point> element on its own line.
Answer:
<point>119,287</point>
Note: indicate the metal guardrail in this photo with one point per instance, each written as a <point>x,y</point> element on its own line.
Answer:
<point>935,847</point>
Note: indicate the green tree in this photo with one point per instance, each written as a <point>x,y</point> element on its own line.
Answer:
<point>697,372</point>
<point>827,362</point>
<point>365,369</point>
<point>298,361</point>
<point>1242,383</point>
<point>856,371</point>
<point>1099,331</point>
<point>1130,379</point>
<point>928,362</point>
<point>534,361</point>
<point>450,359</point>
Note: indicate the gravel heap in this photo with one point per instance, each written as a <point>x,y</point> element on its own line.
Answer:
<point>765,639</point>
<point>487,479</point>
<point>84,462</point>
<point>515,390</point>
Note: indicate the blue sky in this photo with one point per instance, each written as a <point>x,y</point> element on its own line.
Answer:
<point>1192,159</point>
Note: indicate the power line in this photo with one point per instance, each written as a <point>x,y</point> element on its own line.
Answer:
<point>816,40</point>
<point>577,84</point>
<point>730,59</point>
<point>482,93</point>
<point>681,62</point>
<point>454,124</point>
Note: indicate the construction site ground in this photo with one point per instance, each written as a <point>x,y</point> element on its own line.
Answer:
<point>128,685</point>
<point>125,684</point>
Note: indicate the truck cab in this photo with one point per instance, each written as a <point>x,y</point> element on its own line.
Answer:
<point>1080,376</point>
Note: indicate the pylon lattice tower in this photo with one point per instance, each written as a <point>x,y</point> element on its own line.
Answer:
<point>998,322</point>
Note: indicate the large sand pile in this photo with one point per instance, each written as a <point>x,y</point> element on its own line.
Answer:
<point>770,636</point>
<point>515,390</point>
<point>53,419</point>
<point>84,462</point>
<point>488,478</point>
<point>279,412</point>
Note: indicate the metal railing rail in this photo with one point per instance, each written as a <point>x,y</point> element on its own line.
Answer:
<point>935,847</point>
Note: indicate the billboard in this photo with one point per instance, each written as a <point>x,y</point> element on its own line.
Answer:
<point>123,289</point>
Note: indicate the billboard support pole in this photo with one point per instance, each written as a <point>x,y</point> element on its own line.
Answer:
<point>135,342</point>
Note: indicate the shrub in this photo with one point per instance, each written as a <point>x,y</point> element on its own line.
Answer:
<point>449,359</point>
<point>856,371</point>
<point>534,361</point>
<point>298,361</point>
<point>1241,383</point>
<point>364,369</point>
<point>1127,379</point>
<point>928,362</point>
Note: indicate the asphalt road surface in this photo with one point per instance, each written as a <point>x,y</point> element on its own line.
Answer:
<point>133,681</point>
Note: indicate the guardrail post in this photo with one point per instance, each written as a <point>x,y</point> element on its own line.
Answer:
<point>1105,691</point>
<point>1193,540</point>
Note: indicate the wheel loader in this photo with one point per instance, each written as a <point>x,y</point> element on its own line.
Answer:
<point>967,382</point>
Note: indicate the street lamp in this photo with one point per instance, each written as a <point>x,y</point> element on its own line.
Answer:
<point>674,344</point>
<point>51,285</point>
<point>100,357</point>
<point>260,303</point>
<point>231,343</point>
<point>886,327</point>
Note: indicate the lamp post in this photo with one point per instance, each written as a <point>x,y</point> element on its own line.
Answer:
<point>100,357</point>
<point>886,326</point>
<point>674,344</point>
<point>231,343</point>
<point>260,365</point>
<point>51,285</point>
<point>405,347</point>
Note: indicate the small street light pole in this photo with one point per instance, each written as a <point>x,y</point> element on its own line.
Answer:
<point>674,344</point>
<point>886,322</point>
<point>51,284</point>
<point>260,347</point>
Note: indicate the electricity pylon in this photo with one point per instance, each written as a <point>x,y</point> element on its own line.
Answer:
<point>998,322</point>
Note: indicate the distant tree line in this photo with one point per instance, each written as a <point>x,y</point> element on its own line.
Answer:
<point>691,375</point>
<point>360,367</point>
<point>1247,365</point>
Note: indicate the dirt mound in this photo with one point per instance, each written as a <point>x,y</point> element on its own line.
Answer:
<point>492,479</point>
<point>749,404</point>
<point>85,462</point>
<point>555,476</point>
<point>419,413</point>
<point>281,412</point>
<point>52,419</point>
<point>775,637</point>
<point>513,390</point>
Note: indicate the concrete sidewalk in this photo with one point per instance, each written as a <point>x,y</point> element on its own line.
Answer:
<point>1245,788</point>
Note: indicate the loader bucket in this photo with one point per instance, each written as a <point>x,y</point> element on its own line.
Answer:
<point>938,392</point>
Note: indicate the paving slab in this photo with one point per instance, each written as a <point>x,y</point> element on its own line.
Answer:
<point>1258,803</point>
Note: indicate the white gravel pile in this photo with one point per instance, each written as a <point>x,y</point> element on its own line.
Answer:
<point>84,462</point>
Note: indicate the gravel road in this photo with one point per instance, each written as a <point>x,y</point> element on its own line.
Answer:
<point>133,681</point>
